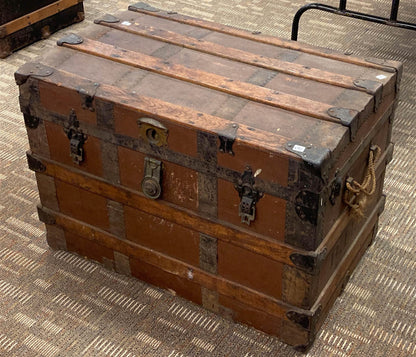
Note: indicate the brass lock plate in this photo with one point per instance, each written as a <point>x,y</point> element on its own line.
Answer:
<point>152,131</point>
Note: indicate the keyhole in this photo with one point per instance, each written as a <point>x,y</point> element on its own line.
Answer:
<point>152,136</point>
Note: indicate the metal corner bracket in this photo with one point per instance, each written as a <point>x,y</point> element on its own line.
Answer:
<point>70,39</point>
<point>108,19</point>
<point>142,6</point>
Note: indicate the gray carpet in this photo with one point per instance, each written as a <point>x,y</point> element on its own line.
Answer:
<point>58,304</point>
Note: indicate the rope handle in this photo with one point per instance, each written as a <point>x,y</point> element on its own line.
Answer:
<point>356,193</point>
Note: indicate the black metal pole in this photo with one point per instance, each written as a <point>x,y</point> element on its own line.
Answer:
<point>354,14</point>
<point>342,4</point>
<point>394,10</point>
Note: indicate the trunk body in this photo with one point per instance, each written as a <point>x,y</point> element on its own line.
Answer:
<point>212,161</point>
<point>24,22</point>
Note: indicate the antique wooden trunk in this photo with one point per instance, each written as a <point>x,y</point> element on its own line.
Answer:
<point>23,22</point>
<point>242,171</point>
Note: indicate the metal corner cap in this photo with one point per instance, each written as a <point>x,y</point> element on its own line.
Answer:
<point>369,85</point>
<point>45,216</point>
<point>142,6</point>
<point>299,318</point>
<point>344,115</point>
<point>31,69</point>
<point>34,163</point>
<point>70,39</point>
<point>313,155</point>
<point>304,262</point>
<point>107,18</point>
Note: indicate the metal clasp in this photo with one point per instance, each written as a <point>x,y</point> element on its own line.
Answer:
<point>249,196</point>
<point>76,144</point>
<point>76,138</point>
<point>151,183</point>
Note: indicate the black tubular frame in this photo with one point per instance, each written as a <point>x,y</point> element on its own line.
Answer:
<point>341,10</point>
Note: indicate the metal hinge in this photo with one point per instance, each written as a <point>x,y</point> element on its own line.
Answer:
<point>76,138</point>
<point>249,196</point>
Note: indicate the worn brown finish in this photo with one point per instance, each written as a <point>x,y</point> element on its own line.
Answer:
<point>213,81</point>
<point>236,301</point>
<point>332,249</point>
<point>252,241</point>
<point>211,161</point>
<point>36,16</point>
<point>23,22</point>
<point>234,54</point>
<point>162,236</point>
<point>82,204</point>
<point>293,45</point>
<point>250,269</point>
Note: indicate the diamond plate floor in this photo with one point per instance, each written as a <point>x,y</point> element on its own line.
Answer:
<point>57,304</point>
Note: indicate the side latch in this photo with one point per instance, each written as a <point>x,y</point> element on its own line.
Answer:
<point>249,196</point>
<point>151,183</point>
<point>76,138</point>
<point>335,190</point>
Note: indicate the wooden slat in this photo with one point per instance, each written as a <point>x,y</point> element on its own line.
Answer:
<point>211,48</point>
<point>173,266</point>
<point>254,242</point>
<point>275,41</point>
<point>227,85</point>
<point>36,16</point>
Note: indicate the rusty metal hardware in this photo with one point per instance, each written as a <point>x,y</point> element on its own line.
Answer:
<point>151,183</point>
<point>249,196</point>
<point>307,205</point>
<point>31,122</point>
<point>152,131</point>
<point>335,190</point>
<point>107,18</point>
<point>227,138</point>
<point>314,156</point>
<point>87,94</point>
<point>143,6</point>
<point>70,39</point>
<point>76,138</point>
<point>34,163</point>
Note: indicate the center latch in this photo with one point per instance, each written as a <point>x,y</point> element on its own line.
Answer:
<point>249,196</point>
<point>151,183</point>
<point>76,138</point>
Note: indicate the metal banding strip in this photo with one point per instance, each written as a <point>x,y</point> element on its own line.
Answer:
<point>255,36</point>
<point>223,231</point>
<point>210,281</point>
<point>227,85</point>
<point>212,48</point>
